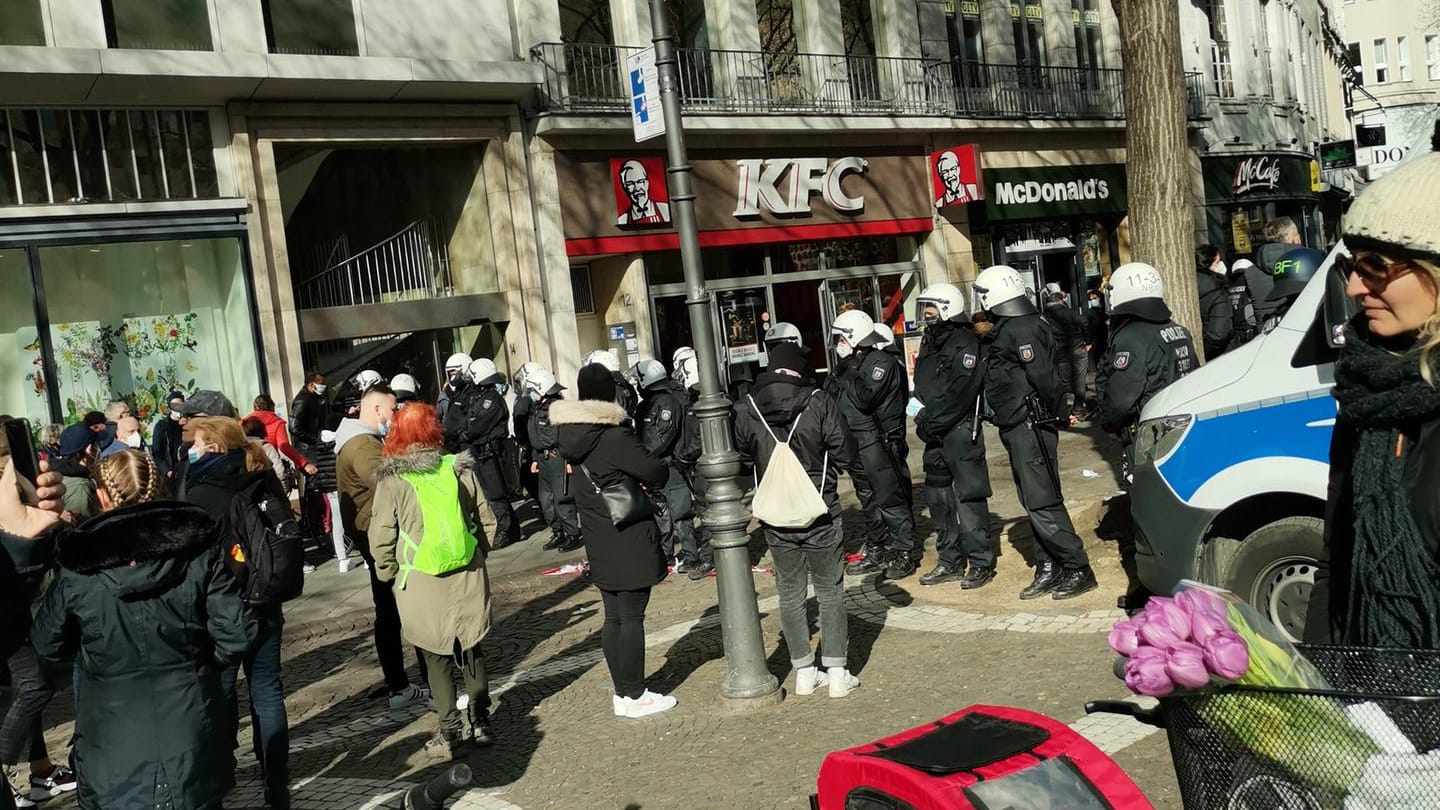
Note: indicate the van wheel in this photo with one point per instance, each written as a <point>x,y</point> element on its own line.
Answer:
<point>1274,570</point>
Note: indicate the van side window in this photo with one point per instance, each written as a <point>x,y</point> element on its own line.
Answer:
<point>1315,348</point>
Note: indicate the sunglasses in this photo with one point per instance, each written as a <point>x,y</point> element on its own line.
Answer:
<point>1373,268</point>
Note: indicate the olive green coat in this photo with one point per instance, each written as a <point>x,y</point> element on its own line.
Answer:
<point>435,611</point>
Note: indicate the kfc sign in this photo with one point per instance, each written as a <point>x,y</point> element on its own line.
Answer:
<point>641,199</point>
<point>1254,173</point>
<point>760,182</point>
<point>955,176</point>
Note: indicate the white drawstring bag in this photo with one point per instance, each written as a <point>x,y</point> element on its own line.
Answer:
<point>786,498</point>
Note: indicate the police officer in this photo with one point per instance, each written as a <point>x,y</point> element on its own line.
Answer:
<point>556,505</point>
<point>685,373</point>
<point>1240,304</point>
<point>1148,351</point>
<point>456,411</point>
<point>660,425</point>
<point>520,419</point>
<point>949,379</point>
<point>1022,386</point>
<point>1217,318</point>
<point>625,395</point>
<point>485,430</point>
<point>872,390</point>
<point>783,332</point>
<point>1292,272</point>
<point>455,368</point>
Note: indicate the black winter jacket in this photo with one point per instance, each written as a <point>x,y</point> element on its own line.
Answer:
<point>541,428</point>
<point>1330,599</point>
<point>487,420</point>
<point>1260,278</point>
<point>166,445</point>
<point>822,440</point>
<point>1144,357</point>
<point>872,388</point>
<point>660,419</point>
<point>23,563</point>
<point>150,615</point>
<point>1021,359</point>
<point>1217,317</point>
<point>590,434</point>
<point>949,376</point>
<point>307,419</point>
<point>1069,327</point>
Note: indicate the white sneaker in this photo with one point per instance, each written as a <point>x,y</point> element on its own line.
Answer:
<point>618,703</point>
<point>12,778</point>
<point>647,704</point>
<point>842,682</point>
<point>808,678</point>
<point>344,566</point>
<point>408,696</point>
<point>462,703</point>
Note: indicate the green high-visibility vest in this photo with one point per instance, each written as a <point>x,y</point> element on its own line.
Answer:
<point>449,544</point>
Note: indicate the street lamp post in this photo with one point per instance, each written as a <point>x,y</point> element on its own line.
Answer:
<point>748,682</point>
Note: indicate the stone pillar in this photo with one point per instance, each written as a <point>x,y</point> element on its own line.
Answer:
<point>897,34</point>
<point>998,31</point>
<point>546,303</point>
<point>1060,33</point>
<point>533,23</point>
<point>818,31</point>
<point>733,27</point>
<point>934,39</point>
<point>75,25</point>
<point>630,21</point>
<point>240,27</point>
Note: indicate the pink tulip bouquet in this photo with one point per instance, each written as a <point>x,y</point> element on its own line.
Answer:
<point>1203,639</point>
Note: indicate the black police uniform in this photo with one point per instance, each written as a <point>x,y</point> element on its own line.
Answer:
<point>1242,309</point>
<point>625,395</point>
<point>453,420</point>
<point>556,505</point>
<point>1023,388</point>
<point>873,390</point>
<point>1217,318</point>
<point>660,425</point>
<point>1069,329</point>
<point>1147,352</point>
<point>485,433</point>
<point>949,378</point>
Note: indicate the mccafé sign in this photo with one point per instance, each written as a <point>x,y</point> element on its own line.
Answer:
<point>1256,178</point>
<point>1054,191</point>
<point>612,202</point>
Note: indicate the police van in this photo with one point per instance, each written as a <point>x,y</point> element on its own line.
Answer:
<point>1232,462</point>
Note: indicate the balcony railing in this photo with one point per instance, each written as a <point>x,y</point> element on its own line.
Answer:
<point>591,78</point>
<point>412,264</point>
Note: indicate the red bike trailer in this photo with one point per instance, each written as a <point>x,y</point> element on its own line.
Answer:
<point>979,758</point>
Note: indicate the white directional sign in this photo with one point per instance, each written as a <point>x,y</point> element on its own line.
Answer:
<point>644,82</point>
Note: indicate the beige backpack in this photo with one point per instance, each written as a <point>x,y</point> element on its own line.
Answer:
<point>786,498</point>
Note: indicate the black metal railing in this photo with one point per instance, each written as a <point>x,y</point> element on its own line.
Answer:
<point>582,77</point>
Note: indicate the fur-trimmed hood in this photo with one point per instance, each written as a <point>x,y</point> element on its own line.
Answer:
<point>139,549</point>
<point>420,460</point>
<point>586,412</point>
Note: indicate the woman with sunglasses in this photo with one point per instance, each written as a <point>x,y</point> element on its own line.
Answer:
<point>1382,588</point>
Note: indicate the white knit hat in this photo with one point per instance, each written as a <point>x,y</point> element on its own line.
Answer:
<point>1400,210</point>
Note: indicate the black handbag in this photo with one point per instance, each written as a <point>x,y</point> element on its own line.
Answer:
<point>626,502</point>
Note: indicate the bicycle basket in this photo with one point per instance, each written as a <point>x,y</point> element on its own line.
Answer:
<point>1251,748</point>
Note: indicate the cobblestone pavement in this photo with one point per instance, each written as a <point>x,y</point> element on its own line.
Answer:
<point>920,652</point>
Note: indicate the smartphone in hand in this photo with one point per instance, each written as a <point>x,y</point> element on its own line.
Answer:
<point>22,450</point>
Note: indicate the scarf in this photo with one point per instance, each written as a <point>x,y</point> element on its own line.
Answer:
<point>1394,594</point>
<point>207,462</point>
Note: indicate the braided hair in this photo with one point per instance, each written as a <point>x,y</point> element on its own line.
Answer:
<point>128,478</point>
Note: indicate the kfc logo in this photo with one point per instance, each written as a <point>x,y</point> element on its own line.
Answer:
<point>759,185</point>
<point>955,176</point>
<point>641,199</point>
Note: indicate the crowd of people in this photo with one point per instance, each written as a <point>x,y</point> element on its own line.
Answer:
<point>157,573</point>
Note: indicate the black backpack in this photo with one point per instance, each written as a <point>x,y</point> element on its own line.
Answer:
<point>268,553</point>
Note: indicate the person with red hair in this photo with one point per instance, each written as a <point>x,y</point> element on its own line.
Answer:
<point>430,531</point>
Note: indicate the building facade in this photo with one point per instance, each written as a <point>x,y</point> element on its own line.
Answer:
<point>1394,49</point>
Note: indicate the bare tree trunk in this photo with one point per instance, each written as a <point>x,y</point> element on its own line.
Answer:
<point>1161,224</point>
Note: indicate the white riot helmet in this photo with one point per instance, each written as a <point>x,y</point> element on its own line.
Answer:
<point>456,365</point>
<point>484,372</point>
<point>603,357</point>
<point>851,330</point>
<point>946,298</point>
<point>1002,291</point>
<point>649,372</point>
<point>404,387</point>
<point>1136,289</point>
<point>884,335</point>
<point>523,373</point>
<point>687,367</point>
<point>368,379</point>
<point>540,382</point>
<point>783,332</point>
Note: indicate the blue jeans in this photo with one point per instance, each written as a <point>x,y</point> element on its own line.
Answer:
<point>268,723</point>
<point>803,557</point>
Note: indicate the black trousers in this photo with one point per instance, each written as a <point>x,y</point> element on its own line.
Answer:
<point>21,739</point>
<point>557,507</point>
<point>623,639</point>
<point>1034,462</point>
<point>491,473</point>
<point>883,479</point>
<point>957,489</point>
<point>388,646</point>
<point>677,528</point>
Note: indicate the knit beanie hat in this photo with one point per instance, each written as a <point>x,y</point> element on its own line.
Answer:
<point>1400,211</point>
<point>596,383</point>
<point>787,358</point>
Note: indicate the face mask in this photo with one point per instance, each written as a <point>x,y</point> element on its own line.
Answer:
<point>133,440</point>
<point>175,416</point>
<point>1221,268</point>
<point>195,454</point>
<point>384,429</point>
<point>502,388</point>
<point>1094,303</point>
<point>843,349</point>
<point>319,389</point>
